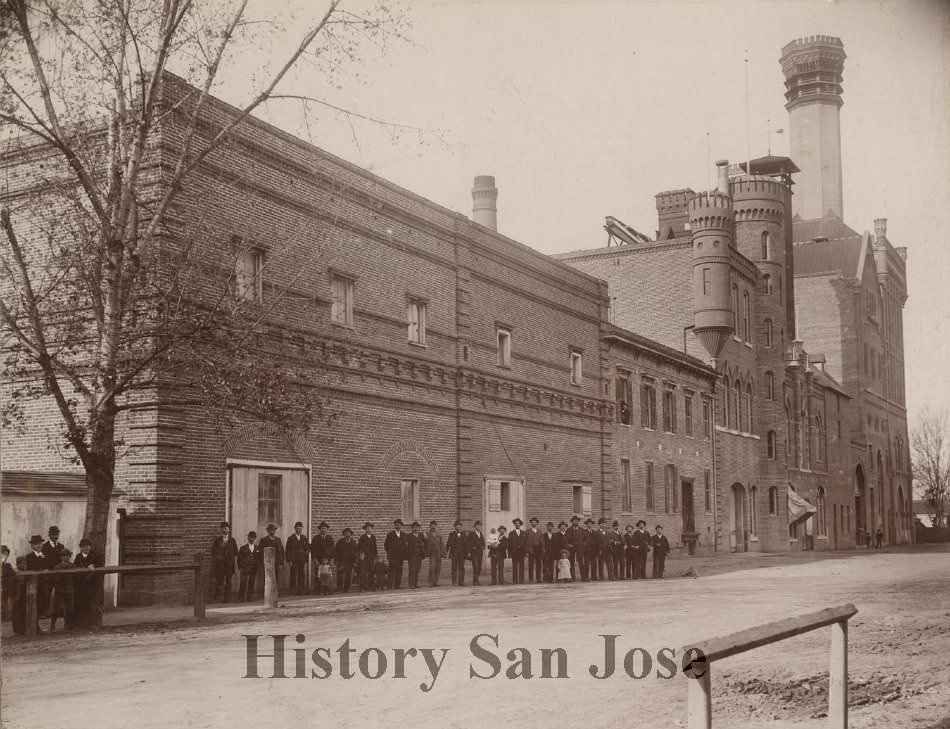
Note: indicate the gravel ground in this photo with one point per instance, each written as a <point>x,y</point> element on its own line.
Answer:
<point>192,676</point>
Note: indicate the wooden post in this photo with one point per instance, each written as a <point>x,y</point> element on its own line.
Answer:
<point>838,677</point>
<point>199,586</point>
<point>270,577</point>
<point>32,606</point>
<point>699,701</point>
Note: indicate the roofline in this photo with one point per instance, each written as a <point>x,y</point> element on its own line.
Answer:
<point>638,341</point>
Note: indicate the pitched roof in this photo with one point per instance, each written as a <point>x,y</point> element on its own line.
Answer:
<point>829,256</point>
<point>827,381</point>
<point>830,227</point>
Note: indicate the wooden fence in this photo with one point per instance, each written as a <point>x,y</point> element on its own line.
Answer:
<point>699,706</point>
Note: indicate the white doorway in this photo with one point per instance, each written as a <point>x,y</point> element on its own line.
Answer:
<point>504,501</point>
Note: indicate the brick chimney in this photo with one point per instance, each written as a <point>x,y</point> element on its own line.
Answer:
<point>672,213</point>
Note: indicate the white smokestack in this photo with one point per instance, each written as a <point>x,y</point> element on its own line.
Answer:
<point>485,202</point>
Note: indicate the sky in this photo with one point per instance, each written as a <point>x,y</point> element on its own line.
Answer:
<point>583,109</point>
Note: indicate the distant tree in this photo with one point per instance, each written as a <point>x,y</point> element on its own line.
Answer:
<point>104,298</point>
<point>930,455</point>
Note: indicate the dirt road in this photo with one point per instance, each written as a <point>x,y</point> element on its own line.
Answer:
<point>193,677</point>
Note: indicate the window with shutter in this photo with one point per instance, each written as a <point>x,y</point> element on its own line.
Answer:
<point>410,500</point>
<point>494,497</point>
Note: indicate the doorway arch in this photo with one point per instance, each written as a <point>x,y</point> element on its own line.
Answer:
<point>738,540</point>
<point>860,520</point>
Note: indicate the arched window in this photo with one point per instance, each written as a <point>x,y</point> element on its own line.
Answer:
<point>788,427</point>
<point>735,310</point>
<point>780,284</point>
<point>734,406</point>
<point>769,386</point>
<point>804,456</point>
<point>768,333</point>
<point>822,522</point>
<point>746,316</point>
<point>819,439</point>
<point>766,246</point>
<point>770,445</point>
<point>768,283</point>
<point>748,407</point>
<point>753,515</point>
<point>773,501</point>
<point>725,402</point>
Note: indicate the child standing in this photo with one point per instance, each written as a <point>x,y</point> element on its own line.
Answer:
<point>324,576</point>
<point>497,554</point>
<point>564,567</point>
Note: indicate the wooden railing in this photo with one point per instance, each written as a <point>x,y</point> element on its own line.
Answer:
<point>699,705</point>
<point>34,578</point>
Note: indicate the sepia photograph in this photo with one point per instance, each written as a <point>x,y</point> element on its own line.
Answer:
<point>475,363</point>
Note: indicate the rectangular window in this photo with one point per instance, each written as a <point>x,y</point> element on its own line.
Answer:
<point>249,275</point>
<point>626,491</point>
<point>494,496</point>
<point>688,413</point>
<point>268,498</point>
<point>624,397</point>
<point>707,418</point>
<point>648,480</point>
<point>707,491</point>
<point>410,500</point>
<point>669,489</point>
<point>504,348</point>
<point>648,405</point>
<point>705,281</point>
<point>505,496</point>
<point>669,411</point>
<point>416,314</point>
<point>582,499</point>
<point>341,295</point>
<point>576,368</point>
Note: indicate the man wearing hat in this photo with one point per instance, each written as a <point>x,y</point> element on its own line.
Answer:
<point>346,554</point>
<point>457,548</point>
<point>415,552</point>
<point>534,547</point>
<point>248,560</point>
<point>297,550</point>
<point>271,540</point>
<point>615,539</point>
<point>397,548</point>
<point>594,544</point>
<point>52,550</point>
<point>641,546</point>
<point>321,546</point>
<point>661,548</point>
<point>549,555</point>
<point>223,553</point>
<point>367,556</point>
<point>589,561</point>
<point>435,549</point>
<point>476,550</point>
<point>628,552</point>
<point>35,560</point>
<point>575,546</point>
<point>517,549</point>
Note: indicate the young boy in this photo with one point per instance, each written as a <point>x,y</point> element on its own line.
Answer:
<point>324,576</point>
<point>381,571</point>
<point>496,555</point>
<point>63,594</point>
<point>564,567</point>
<point>249,556</point>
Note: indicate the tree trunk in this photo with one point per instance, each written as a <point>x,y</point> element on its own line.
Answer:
<point>99,485</point>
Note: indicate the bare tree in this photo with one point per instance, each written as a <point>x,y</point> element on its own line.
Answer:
<point>930,455</point>
<point>105,298</point>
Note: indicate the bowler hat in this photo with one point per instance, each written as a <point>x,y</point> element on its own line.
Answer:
<point>36,539</point>
<point>550,523</point>
<point>398,522</point>
<point>502,528</point>
<point>517,521</point>
<point>225,524</point>
<point>457,522</point>
<point>602,520</point>
<point>83,542</point>
<point>368,524</point>
<point>641,521</point>
<point>476,523</point>
<point>347,530</point>
<point>616,523</point>
<point>54,530</point>
<point>298,524</point>
<point>576,517</point>
<point>252,535</point>
<point>272,527</point>
<point>66,552</point>
<point>533,520</point>
<point>659,526</point>
<point>323,525</point>
<point>560,524</point>
<point>588,520</point>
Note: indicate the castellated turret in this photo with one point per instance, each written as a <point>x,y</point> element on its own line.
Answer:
<point>711,223</point>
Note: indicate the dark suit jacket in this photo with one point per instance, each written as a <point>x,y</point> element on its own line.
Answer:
<point>35,562</point>
<point>247,560</point>
<point>346,552</point>
<point>533,542</point>
<point>415,546</point>
<point>500,550</point>
<point>517,544</point>
<point>615,540</point>
<point>367,547</point>
<point>558,542</point>
<point>575,538</point>
<point>457,545</point>
<point>269,541</point>
<point>223,553</point>
<point>641,542</point>
<point>547,545</point>
<point>661,545</point>
<point>321,546</point>
<point>297,548</point>
<point>81,560</point>
<point>596,542</point>
<point>52,553</point>
<point>396,546</point>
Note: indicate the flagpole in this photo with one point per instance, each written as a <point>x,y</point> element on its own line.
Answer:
<point>748,128</point>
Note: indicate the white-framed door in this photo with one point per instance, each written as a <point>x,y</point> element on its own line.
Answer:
<point>504,501</point>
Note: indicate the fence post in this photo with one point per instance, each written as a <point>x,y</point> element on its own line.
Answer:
<point>699,700</point>
<point>199,586</point>
<point>838,677</point>
<point>270,577</point>
<point>32,605</point>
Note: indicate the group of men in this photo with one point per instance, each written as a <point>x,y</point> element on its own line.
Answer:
<point>59,597</point>
<point>594,552</point>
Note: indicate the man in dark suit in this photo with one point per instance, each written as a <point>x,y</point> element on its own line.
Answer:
<point>597,550</point>
<point>476,550</point>
<point>396,546</point>
<point>456,546</point>
<point>575,547</point>
<point>415,552</point>
<point>321,546</point>
<point>367,556</point>
<point>589,565</point>
<point>35,560</point>
<point>52,551</point>
<point>223,553</point>
<point>615,540</point>
<point>661,548</point>
<point>346,554</point>
<point>271,540</point>
<point>88,600</point>
<point>534,548</point>
<point>641,547</point>
<point>297,550</point>
<point>549,553</point>
<point>248,560</point>
<point>517,549</point>
<point>628,553</point>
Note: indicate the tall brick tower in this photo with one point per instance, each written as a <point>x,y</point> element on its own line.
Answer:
<point>813,68</point>
<point>711,222</point>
